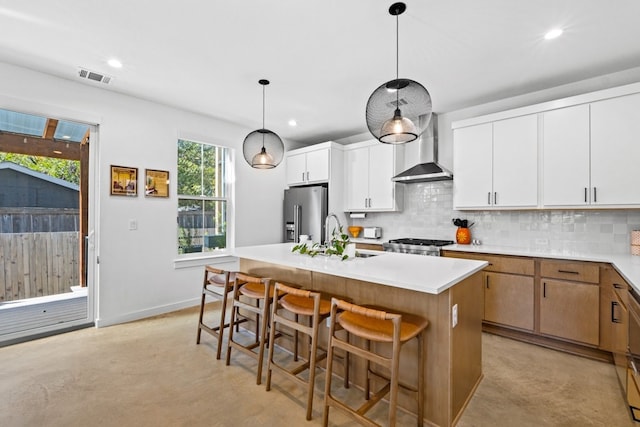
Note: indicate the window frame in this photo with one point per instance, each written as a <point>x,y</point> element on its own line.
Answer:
<point>229,191</point>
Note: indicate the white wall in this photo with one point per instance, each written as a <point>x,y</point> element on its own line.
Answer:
<point>136,276</point>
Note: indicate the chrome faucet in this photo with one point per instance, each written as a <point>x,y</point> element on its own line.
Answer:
<point>327,235</point>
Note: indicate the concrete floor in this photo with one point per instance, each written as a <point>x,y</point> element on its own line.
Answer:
<point>151,373</point>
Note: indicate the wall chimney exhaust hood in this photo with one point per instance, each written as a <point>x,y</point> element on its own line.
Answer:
<point>427,169</point>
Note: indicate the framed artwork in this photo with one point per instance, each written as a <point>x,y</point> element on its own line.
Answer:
<point>156,183</point>
<point>124,181</point>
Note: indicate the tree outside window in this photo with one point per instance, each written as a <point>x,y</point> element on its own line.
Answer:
<point>202,197</point>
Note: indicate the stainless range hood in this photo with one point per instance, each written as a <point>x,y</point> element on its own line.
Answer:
<point>427,169</point>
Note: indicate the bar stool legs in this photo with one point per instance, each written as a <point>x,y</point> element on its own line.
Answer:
<point>380,326</point>
<point>260,291</point>
<point>223,281</point>
<point>305,303</point>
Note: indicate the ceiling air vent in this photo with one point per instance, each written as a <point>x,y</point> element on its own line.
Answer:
<point>95,76</point>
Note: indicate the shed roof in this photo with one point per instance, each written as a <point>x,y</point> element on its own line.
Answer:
<point>39,175</point>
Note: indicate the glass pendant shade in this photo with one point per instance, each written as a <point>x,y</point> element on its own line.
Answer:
<point>399,110</point>
<point>262,148</point>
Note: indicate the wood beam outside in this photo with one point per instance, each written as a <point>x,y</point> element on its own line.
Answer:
<point>50,129</point>
<point>35,146</point>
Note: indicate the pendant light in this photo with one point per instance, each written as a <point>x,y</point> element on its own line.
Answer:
<point>262,148</point>
<point>399,110</point>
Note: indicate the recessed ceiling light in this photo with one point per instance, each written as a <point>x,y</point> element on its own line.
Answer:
<point>556,32</point>
<point>293,123</point>
<point>115,63</point>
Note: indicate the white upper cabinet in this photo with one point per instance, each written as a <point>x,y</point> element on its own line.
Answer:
<point>308,167</point>
<point>496,164</point>
<point>615,151</point>
<point>515,162</point>
<point>369,167</point>
<point>473,166</point>
<point>565,157</point>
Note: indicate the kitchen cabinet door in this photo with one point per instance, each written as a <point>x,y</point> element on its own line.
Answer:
<point>473,166</point>
<point>570,310</point>
<point>296,169</point>
<point>381,188</point>
<point>357,179</point>
<point>615,151</point>
<point>565,158</point>
<point>508,300</point>
<point>317,166</point>
<point>515,162</point>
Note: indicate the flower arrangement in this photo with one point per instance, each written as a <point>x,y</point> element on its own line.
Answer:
<point>463,234</point>
<point>336,246</point>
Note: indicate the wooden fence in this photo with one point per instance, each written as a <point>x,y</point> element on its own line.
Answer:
<point>37,264</point>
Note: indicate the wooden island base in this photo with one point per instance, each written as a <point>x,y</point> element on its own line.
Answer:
<point>454,354</point>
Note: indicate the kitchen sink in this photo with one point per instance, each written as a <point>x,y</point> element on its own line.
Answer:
<point>365,255</point>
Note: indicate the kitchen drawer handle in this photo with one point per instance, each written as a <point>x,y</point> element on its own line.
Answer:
<point>613,314</point>
<point>568,272</point>
<point>618,286</point>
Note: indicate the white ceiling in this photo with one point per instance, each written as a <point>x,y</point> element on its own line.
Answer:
<point>323,57</point>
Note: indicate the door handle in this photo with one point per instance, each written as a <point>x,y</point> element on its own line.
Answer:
<point>487,281</point>
<point>307,175</point>
<point>544,289</point>
<point>613,314</point>
<point>585,194</point>
<point>489,198</point>
<point>495,197</point>
<point>595,195</point>
<point>302,176</point>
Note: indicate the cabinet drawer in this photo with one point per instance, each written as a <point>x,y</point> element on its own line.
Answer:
<point>576,271</point>
<point>499,264</point>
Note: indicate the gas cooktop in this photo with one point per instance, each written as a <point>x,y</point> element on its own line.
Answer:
<point>416,246</point>
<point>422,242</point>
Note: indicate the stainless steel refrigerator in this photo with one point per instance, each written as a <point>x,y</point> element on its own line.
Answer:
<point>305,210</point>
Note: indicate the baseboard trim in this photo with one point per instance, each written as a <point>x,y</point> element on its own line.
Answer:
<point>143,314</point>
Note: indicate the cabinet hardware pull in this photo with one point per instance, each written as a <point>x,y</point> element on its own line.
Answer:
<point>489,198</point>
<point>613,316</point>
<point>487,282</point>
<point>307,175</point>
<point>544,289</point>
<point>303,176</point>
<point>495,198</point>
<point>595,195</point>
<point>585,194</point>
<point>617,286</point>
<point>568,272</point>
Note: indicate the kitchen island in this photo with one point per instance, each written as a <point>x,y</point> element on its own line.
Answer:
<point>427,286</point>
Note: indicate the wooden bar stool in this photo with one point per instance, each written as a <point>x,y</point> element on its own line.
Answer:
<point>310,305</point>
<point>377,325</point>
<point>258,291</point>
<point>217,284</point>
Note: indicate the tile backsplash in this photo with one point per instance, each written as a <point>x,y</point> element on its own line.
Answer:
<point>428,210</point>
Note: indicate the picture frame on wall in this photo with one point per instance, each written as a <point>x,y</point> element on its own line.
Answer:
<point>156,183</point>
<point>124,181</point>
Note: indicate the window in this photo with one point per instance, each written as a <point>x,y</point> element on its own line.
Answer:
<point>202,197</point>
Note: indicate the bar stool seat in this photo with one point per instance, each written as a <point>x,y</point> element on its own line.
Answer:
<point>379,325</point>
<point>217,284</point>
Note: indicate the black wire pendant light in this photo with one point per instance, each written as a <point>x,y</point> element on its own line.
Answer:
<point>262,148</point>
<point>399,110</point>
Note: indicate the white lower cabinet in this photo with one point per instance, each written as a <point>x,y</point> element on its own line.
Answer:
<point>369,167</point>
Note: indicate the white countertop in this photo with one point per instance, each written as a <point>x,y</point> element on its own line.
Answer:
<point>627,265</point>
<point>420,273</point>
